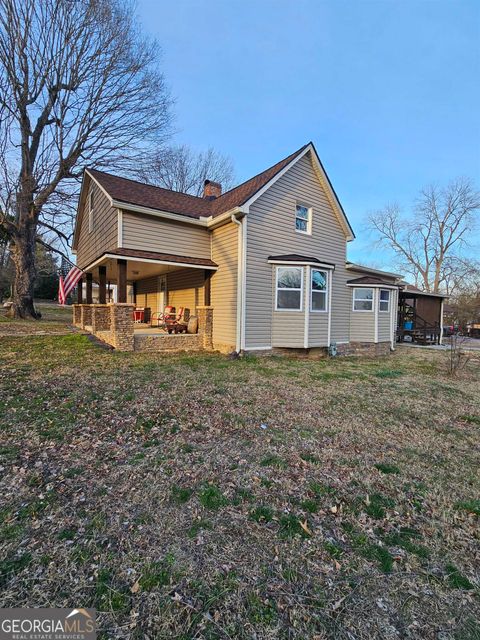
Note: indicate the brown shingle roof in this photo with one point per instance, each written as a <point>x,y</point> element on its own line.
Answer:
<point>239,195</point>
<point>163,257</point>
<point>145,195</point>
<point>295,257</point>
<point>371,280</point>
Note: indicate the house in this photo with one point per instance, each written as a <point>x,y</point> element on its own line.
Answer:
<point>263,266</point>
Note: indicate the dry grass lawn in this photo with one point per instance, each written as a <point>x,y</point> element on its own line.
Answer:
<point>194,496</point>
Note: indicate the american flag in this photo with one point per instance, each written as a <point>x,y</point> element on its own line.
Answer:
<point>65,286</point>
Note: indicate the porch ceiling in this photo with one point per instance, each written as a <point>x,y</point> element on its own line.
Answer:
<point>139,267</point>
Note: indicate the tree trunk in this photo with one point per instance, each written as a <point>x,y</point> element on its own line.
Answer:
<point>23,257</point>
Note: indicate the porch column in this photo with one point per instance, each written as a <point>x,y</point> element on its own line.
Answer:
<point>102,284</point>
<point>80,291</point>
<point>207,288</point>
<point>89,288</point>
<point>122,281</point>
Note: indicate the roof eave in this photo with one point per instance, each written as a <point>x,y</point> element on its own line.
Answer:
<point>331,194</point>
<point>160,213</point>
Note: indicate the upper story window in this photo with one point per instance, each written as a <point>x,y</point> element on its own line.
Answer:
<point>303,219</point>
<point>319,290</point>
<point>90,212</point>
<point>384,304</point>
<point>289,289</point>
<point>363,299</point>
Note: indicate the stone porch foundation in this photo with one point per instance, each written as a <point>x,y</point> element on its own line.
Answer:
<point>113,324</point>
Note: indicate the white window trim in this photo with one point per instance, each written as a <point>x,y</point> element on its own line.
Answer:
<point>380,310</point>
<point>90,212</point>
<point>372,289</point>
<point>326,290</point>
<point>308,232</point>
<point>287,266</point>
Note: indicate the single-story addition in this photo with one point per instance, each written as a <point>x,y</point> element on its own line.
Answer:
<point>263,266</point>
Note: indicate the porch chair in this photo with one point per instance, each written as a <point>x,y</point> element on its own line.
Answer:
<point>161,319</point>
<point>178,323</point>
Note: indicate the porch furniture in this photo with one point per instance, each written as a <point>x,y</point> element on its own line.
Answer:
<point>177,328</point>
<point>161,319</point>
<point>139,315</point>
<point>192,326</point>
<point>173,320</point>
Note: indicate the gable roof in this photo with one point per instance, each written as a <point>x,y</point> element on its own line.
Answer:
<point>140,194</point>
<point>125,191</point>
<point>238,196</point>
<point>147,195</point>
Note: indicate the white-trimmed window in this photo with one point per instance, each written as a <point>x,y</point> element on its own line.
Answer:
<point>289,289</point>
<point>90,212</point>
<point>384,303</point>
<point>303,219</point>
<point>319,290</point>
<point>363,299</point>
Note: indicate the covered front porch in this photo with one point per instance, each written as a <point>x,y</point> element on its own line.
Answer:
<point>146,283</point>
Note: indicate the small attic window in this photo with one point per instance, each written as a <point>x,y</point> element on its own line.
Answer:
<point>90,212</point>
<point>303,219</point>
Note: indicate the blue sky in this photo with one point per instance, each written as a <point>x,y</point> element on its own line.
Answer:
<point>388,90</point>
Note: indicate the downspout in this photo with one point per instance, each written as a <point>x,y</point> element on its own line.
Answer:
<point>238,339</point>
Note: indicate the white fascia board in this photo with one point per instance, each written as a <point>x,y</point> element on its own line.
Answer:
<point>92,177</point>
<point>77,216</point>
<point>212,222</point>
<point>114,256</point>
<point>286,263</point>
<point>324,181</point>
<point>373,286</point>
<point>276,177</point>
<point>199,222</point>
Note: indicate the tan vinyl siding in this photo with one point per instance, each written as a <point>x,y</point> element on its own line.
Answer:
<point>224,284</point>
<point>185,288</point>
<point>318,331</point>
<point>362,326</point>
<point>150,233</point>
<point>147,293</point>
<point>385,322</point>
<point>91,245</point>
<point>288,329</point>
<point>271,231</point>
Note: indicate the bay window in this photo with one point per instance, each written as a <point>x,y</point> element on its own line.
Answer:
<point>319,290</point>
<point>363,299</point>
<point>384,304</point>
<point>289,289</point>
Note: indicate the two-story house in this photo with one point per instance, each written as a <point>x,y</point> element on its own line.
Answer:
<point>269,257</point>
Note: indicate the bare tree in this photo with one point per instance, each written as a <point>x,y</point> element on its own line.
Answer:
<point>181,169</point>
<point>428,242</point>
<point>78,86</point>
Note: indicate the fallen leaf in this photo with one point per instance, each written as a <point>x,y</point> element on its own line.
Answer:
<point>135,588</point>
<point>305,527</point>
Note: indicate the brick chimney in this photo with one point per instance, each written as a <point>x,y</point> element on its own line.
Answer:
<point>212,190</point>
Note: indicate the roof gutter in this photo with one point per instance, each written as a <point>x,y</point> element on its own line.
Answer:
<point>177,217</point>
